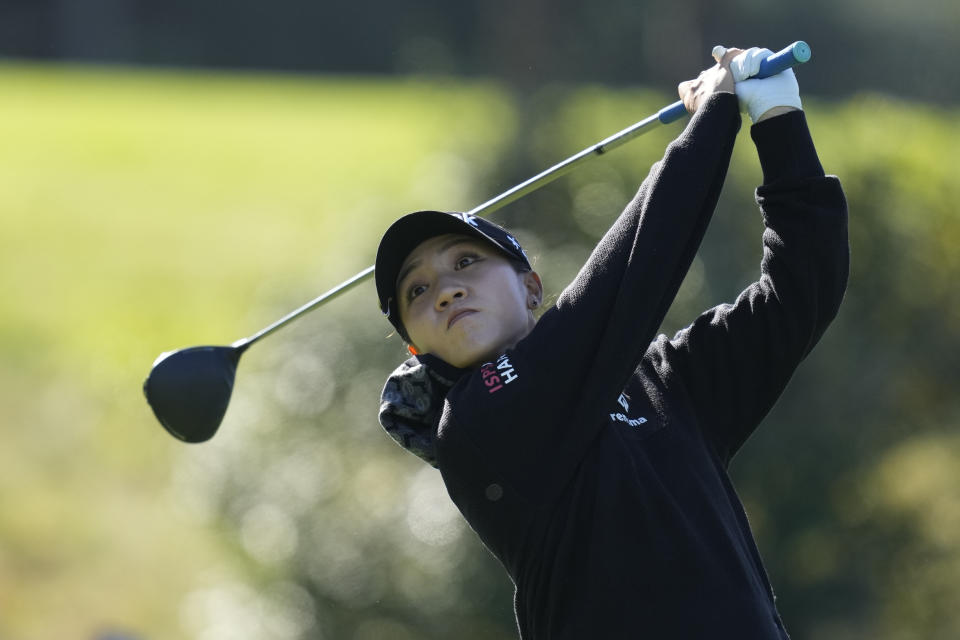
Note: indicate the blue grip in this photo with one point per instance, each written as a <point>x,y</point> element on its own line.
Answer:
<point>672,113</point>
<point>797,53</point>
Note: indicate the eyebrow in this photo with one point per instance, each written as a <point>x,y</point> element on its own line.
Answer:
<point>444,247</point>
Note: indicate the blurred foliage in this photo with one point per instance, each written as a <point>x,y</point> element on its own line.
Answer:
<point>142,213</point>
<point>901,48</point>
<point>145,212</point>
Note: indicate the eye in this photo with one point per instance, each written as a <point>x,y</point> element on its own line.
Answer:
<point>415,291</point>
<point>466,260</point>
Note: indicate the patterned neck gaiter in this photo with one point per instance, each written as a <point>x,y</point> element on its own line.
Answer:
<point>411,403</point>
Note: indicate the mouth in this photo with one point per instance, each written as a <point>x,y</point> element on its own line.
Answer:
<point>459,313</point>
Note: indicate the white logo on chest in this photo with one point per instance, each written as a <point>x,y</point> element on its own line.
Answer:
<point>497,374</point>
<point>624,401</point>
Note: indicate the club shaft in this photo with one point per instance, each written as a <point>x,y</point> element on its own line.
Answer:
<point>793,55</point>
<point>545,177</point>
<point>511,195</point>
<point>341,288</point>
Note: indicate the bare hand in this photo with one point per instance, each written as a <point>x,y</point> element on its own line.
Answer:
<point>716,79</point>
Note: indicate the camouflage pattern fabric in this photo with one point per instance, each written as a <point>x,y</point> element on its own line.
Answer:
<point>410,407</point>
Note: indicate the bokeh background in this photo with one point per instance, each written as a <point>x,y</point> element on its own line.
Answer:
<point>184,173</point>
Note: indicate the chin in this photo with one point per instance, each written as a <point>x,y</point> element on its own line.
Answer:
<point>475,349</point>
<point>471,360</point>
<point>475,355</point>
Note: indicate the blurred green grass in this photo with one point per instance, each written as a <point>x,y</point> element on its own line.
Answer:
<point>147,211</point>
<point>164,203</point>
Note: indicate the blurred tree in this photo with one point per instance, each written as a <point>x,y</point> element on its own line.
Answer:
<point>901,48</point>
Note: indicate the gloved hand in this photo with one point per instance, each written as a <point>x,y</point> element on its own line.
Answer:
<point>759,96</point>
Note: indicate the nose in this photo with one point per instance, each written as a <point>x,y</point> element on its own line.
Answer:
<point>449,293</point>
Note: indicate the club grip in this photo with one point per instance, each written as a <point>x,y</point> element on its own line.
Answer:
<point>797,53</point>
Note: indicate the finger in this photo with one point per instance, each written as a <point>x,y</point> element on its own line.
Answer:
<point>688,87</point>
<point>723,55</point>
<point>685,89</point>
<point>729,55</point>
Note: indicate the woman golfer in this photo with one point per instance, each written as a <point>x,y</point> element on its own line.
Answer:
<point>589,454</point>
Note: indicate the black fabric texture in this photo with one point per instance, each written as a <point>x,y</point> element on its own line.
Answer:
<point>591,459</point>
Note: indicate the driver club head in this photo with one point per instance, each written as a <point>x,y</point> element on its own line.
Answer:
<point>189,390</point>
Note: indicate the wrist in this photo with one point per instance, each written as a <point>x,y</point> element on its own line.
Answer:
<point>774,112</point>
<point>785,148</point>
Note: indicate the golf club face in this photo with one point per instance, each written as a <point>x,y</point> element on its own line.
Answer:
<point>189,390</point>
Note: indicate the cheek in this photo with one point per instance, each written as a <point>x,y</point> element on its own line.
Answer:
<point>418,322</point>
<point>409,322</point>
<point>513,302</point>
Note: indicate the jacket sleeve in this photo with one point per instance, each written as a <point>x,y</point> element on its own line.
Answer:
<point>736,359</point>
<point>552,389</point>
<point>611,311</point>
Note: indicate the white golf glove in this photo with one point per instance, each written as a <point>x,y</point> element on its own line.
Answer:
<point>759,96</point>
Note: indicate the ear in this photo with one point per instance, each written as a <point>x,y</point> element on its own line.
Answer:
<point>413,350</point>
<point>533,285</point>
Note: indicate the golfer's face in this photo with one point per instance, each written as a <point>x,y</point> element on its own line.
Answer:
<point>461,300</point>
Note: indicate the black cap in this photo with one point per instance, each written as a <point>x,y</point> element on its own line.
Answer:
<point>408,232</point>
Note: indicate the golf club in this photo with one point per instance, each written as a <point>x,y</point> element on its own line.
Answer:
<point>189,389</point>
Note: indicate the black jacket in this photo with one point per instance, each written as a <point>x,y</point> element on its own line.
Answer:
<point>592,458</point>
